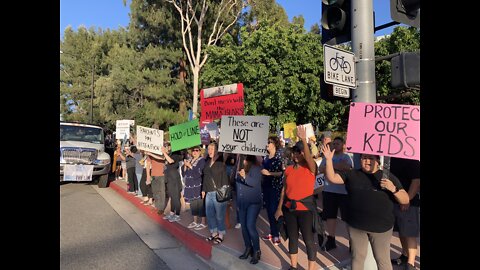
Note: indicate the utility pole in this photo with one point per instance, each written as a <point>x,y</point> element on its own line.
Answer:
<point>93,88</point>
<point>363,47</point>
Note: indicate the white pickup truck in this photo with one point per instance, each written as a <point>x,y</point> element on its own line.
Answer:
<point>82,153</point>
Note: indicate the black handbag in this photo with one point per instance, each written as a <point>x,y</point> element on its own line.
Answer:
<point>224,193</point>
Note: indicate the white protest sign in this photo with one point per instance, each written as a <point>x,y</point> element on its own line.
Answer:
<point>309,130</point>
<point>122,128</point>
<point>150,139</point>
<point>244,134</point>
<point>80,172</point>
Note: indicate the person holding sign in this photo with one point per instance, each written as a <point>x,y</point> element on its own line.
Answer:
<point>214,175</point>
<point>192,171</point>
<point>249,199</point>
<point>296,201</point>
<point>370,207</point>
<point>156,178</point>
<point>173,181</point>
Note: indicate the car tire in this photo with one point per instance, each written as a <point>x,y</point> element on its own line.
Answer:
<point>103,181</point>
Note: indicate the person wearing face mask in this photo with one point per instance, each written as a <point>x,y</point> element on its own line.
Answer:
<point>370,203</point>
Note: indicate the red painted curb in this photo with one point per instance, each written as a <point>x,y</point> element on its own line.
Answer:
<point>191,240</point>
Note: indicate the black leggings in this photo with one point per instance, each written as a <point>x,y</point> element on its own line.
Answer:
<point>132,180</point>
<point>303,220</point>
<point>143,183</point>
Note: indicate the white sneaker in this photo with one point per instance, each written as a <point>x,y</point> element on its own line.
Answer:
<point>199,227</point>
<point>169,216</point>
<point>192,225</point>
<point>175,218</point>
<point>238,226</point>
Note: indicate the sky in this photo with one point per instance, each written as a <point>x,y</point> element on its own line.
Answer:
<point>113,14</point>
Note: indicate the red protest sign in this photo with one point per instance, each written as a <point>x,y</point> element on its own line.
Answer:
<point>221,100</point>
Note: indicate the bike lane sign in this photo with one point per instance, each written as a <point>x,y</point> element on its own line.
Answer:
<point>339,66</point>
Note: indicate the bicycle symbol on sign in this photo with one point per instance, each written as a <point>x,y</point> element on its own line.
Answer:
<point>339,61</point>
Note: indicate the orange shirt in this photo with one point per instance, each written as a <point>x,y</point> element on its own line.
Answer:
<point>157,167</point>
<point>299,184</point>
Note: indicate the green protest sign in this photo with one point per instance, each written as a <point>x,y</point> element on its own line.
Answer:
<point>184,135</point>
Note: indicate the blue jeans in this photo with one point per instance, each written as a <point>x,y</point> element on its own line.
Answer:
<point>139,177</point>
<point>271,199</point>
<point>215,213</point>
<point>248,218</point>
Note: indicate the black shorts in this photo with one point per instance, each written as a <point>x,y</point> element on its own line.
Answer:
<point>331,203</point>
<point>407,223</point>
<point>197,207</point>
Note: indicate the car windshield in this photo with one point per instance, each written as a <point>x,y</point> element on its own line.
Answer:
<point>82,134</point>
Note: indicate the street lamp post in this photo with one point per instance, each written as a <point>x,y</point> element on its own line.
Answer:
<point>93,87</point>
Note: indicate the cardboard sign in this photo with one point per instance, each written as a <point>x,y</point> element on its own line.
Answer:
<point>226,102</point>
<point>290,130</point>
<point>150,139</point>
<point>220,90</point>
<point>123,129</point>
<point>244,135</point>
<point>384,129</point>
<point>80,172</point>
<point>309,132</point>
<point>184,135</point>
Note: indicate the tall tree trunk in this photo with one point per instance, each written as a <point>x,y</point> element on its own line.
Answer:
<point>196,73</point>
<point>183,71</point>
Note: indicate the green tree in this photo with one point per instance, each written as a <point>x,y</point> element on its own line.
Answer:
<point>263,11</point>
<point>316,29</point>
<point>203,24</point>
<point>402,39</point>
<point>129,83</point>
<point>79,60</point>
<point>154,22</point>
<point>280,68</point>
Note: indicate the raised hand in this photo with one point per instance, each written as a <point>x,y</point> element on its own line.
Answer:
<point>302,132</point>
<point>326,151</point>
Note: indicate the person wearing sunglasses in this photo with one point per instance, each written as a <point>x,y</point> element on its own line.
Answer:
<point>192,172</point>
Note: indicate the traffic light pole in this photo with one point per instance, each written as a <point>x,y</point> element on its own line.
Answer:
<point>363,47</point>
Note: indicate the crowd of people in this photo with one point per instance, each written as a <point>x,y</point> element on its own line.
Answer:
<point>282,182</point>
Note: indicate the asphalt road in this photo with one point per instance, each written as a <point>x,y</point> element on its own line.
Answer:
<point>100,230</point>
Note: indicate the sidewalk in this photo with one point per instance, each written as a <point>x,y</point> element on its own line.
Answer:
<point>225,255</point>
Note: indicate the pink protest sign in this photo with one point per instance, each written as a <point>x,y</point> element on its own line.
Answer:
<point>384,129</point>
<point>221,100</point>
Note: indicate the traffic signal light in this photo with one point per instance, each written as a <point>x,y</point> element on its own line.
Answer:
<point>406,11</point>
<point>326,90</point>
<point>336,21</point>
<point>405,70</point>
